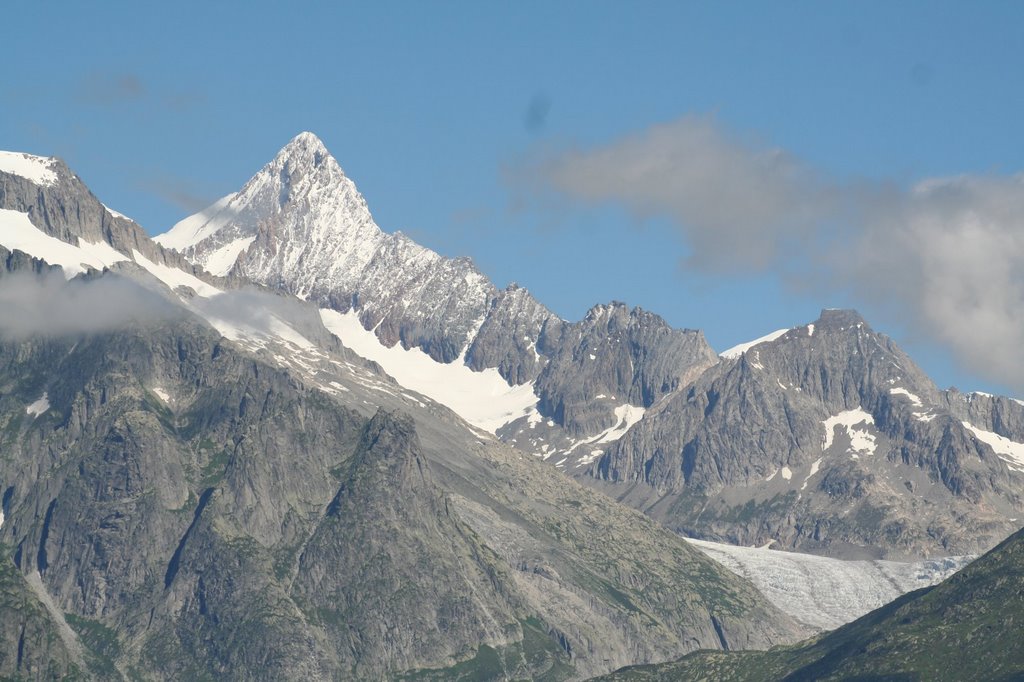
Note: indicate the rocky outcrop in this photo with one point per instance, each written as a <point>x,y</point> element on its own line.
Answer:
<point>443,591</point>
<point>614,356</point>
<point>828,438</point>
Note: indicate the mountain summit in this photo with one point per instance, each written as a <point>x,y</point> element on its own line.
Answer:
<point>301,225</point>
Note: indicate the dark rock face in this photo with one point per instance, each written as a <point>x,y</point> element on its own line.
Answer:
<point>900,472</point>
<point>412,546</point>
<point>626,356</point>
<point>508,337</point>
<point>31,646</point>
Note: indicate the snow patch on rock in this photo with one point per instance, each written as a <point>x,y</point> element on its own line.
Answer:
<point>1009,451</point>
<point>220,261</point>
<point>910,396</point>
<point>18,233</point>
<point>116,214</point>
<point>174,278</point>
<point>861,440</point>
<point>815,465</point>
<point>627,416</point>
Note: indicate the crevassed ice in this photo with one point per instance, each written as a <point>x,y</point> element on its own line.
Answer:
<point>823,592</point>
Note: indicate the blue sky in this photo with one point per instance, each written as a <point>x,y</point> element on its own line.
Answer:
<point>450,117</point>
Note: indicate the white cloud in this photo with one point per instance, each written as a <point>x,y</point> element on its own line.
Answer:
<point>946,255</point>
<point>736,202</point>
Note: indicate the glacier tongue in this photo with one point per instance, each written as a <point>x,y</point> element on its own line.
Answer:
<point>826,593</point>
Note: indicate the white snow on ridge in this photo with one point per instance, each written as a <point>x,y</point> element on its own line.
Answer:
<point>221,261</point>
<point>199,226</point>
<point>35,168</point>
<point>861,441</point>
<point>116,214</point>
<point>38,407</point>
<point>826,593</point>
<point>1009,451</point>
<point>18,232</point>
<point>174,278</point>
<point>740,349</point>
<point>483,399</point>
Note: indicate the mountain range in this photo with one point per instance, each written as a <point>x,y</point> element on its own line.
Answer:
<point>824,438</point>
<point>277,441</point>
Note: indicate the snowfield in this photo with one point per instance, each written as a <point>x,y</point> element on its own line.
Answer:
<point>826,593</point>
<point>17,233</point>
<point>484,399</point>
<point>38,169</point>
<point>1009,451</point>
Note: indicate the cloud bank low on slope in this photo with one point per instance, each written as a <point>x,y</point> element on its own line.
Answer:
<point>48,305</point>
<point>946,255</point>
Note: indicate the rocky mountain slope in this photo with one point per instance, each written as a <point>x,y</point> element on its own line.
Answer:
<point>966,628</point>
<point>207,485</point>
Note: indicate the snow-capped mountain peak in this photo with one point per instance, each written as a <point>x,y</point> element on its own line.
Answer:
<point>38,169</point>
<point>302,207</point>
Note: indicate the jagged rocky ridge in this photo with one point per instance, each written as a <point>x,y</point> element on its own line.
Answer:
<point>186,499</point>
<point>828,439</point>
<point>301,225</point>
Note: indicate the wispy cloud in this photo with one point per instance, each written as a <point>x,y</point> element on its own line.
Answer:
<point>47,305</point>
<point>105,89</point>
<point>115,90</point>
<point>945,256</point>
<point>736,203</point>
<point>178,192</point>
